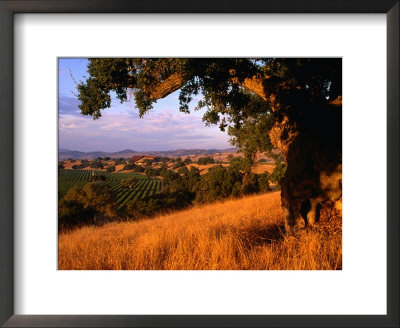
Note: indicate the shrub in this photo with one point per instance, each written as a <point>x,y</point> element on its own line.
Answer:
<point>237,189</point>
<point>148,162</point>
<point>73,213</point>
<point>96,164</point>
<point>129,182</point>
<point>173,182</point>
<point>279,172</point>
<point>136,209</point>
<point>233,180</point>
<point>178,164</point>
<point>183,170</point>
<point>150,172</point>
<point>78,166</point>
<point>138,168</point>
<point>240,164</point>
<point>110,169</point>
<point>119,161</point>
<point>191,178</point>
<point>250,183</point>
<point>129,167</point>
<point>263,182</point>
<point>85,162</point>
<point>213,185</point>
<point>97,178</point>
<point>81,205</point>
<point>205,160</point>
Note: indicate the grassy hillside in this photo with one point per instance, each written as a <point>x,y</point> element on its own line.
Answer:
<point>232,235</point>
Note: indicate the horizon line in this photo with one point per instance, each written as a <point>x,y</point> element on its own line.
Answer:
<point>139,151</point>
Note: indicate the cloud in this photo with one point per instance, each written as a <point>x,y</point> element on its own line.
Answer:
<point>120,127</point>
<point>158,130</point>
<point>68,106</point>
<point>68,126</point>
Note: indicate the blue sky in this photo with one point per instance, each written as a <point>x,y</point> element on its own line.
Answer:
<point>163,128</point>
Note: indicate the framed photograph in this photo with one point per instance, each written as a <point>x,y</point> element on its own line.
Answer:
<point>167,163</point>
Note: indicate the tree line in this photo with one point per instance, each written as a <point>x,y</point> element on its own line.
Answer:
<point>182,188</point>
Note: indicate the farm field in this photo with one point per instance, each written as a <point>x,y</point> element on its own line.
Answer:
<point>145,186</point>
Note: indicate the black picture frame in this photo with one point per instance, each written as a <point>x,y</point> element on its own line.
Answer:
<point>7,10</point>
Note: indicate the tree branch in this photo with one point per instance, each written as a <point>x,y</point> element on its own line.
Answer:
<point>337,101</point>
<point>254,84</point>
<point>169,85</point>
<point>176,81</point>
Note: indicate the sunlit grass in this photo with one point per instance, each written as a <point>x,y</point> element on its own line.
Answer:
<point>243,234</point>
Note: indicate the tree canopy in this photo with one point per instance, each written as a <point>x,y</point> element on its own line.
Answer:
<point>293,104</point>
<point>239,93</point>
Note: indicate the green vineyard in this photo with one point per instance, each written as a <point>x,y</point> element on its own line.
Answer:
<point>144,187</point>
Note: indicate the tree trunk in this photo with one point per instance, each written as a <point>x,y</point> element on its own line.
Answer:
<point>308,132</point>
<point>309,136</point>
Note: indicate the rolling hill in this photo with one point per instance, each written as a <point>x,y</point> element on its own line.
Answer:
<point>240,234</point>
<point>64,154</point>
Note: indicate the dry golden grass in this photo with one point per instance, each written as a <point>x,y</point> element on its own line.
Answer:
<point>205,168</point>
<point>232,235</point>
<point>261,168</point>
<point>68,164</point>
<point>119,167</point>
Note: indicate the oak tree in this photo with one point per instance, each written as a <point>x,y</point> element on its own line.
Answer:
<point>292,104</point>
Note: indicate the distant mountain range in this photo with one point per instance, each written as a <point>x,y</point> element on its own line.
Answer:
<point>64,154</point>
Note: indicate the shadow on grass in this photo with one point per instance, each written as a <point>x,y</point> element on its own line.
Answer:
<point>259,236</point>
